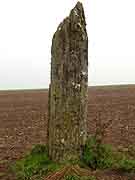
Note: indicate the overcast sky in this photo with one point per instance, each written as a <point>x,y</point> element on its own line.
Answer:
<point>27,27</point>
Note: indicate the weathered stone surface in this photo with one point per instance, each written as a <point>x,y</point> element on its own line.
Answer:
<point>68,88</point>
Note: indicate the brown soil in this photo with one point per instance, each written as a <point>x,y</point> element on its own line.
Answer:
<point>23,119</point>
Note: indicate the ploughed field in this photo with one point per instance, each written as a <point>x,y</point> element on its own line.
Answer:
<point>23,118</point>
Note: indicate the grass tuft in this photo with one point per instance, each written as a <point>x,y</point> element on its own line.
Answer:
<point>102,156</point>
<point>37,162</point>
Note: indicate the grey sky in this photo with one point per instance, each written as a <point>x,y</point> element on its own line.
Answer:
<point>27,27</point>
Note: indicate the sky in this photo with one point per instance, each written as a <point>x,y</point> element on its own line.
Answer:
<point>27,27</point>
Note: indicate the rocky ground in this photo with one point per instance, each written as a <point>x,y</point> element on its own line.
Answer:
<point>23,121</point>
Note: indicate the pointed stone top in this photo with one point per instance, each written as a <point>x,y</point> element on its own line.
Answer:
<point>78,11</point>
<point>75,22</point>
<point>79,5</point>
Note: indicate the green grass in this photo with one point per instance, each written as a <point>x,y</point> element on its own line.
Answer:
<point>95,156</point>
<point>124,163</point>
<point>37,162</point>
<point>102,156</point>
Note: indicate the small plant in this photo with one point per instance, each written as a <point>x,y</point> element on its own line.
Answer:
<point>39,149</point>
<point>125,164</point>
<point>36,162</point>
<point>89,153</point>
<point>97,155</point>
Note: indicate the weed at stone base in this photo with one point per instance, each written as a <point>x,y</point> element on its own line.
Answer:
<point>37,162</point>
<point>102,156</point>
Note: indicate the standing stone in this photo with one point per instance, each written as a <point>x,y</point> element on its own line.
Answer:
<point>68,90</point>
